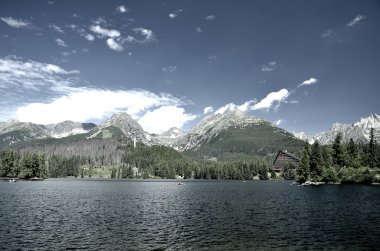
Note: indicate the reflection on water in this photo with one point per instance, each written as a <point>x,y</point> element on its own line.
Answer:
<point>145,215</point>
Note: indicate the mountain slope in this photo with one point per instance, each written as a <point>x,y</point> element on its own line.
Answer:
<point>236,133</point>
<point>121,126</point>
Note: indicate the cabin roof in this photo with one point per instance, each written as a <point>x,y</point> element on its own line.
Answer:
<point>286,153</point>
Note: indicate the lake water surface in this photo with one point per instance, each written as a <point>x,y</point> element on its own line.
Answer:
<point>199,215</point>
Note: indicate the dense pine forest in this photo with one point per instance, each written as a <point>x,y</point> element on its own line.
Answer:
<point>340,163</point>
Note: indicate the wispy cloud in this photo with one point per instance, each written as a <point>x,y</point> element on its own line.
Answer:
<point>113,45</point>
<point>175,14</point>
<point>278,122</point>
<point>148,35</point>
<point>272,100</point>
<point>164,118</point>
<point>357,20</point>
<point>211,58</point>
<point>16,23</point>
<point>170,68</point>
<point>309,81</point>
<point>56,28</point>
<point>198,29</point>
<point>60,42</point>
<point>208,109</point>
<point>271,66</point>
<point>327,33</point>
<point>121,9</point>
<point>210,17</point>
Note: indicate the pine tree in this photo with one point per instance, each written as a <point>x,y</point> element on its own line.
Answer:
<point>303,170</point>
<point>353,154</point>
<point>338,151</point>
<point>372,149</point>
<point>316,161</point>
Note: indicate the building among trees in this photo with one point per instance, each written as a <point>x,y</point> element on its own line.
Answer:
<point>284,160</point>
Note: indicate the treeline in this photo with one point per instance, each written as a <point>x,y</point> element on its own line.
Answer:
<point>340,163</point>
<point>164,162</point>
<point>25,166</point>
<point>140,162</point>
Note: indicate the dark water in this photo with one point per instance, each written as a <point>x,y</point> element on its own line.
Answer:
<point>223,215</point>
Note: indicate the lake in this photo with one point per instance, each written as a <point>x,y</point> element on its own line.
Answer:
<point>63,214</point>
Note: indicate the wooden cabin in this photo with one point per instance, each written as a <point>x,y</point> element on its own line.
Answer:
<point>283,159</point>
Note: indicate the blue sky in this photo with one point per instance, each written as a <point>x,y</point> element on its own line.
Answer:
<point>300,64</point>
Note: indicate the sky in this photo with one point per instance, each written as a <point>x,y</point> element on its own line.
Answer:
<point>302,65</point>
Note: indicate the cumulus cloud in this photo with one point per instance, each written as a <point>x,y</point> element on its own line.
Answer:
<point>60,42</point>
<point>16,23</point>
<point>164,118</point>
<point>121,9</point>
<point>49,94</point>
<point>84,104</point>
<point>103,32</point>
<point>309,81</point>
<point>210,17</point>
<point>113,45</point>
<point>246,106</point>
<point>89,37</point>
<point>271,66</point>
<point>272,100</point>
<point>208,109</point>
<point>357,20</point>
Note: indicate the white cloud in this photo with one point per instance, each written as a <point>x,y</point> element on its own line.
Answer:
<point>278,122</point>
<point>103,32</point>
<point>56,28</point>
<point>210,17</point>
<point>246,106</point>
<point>327,33</point>
<point>122,9</point>
<point>164,118</point>
<point>199,30</point>
<point>14,23</point>
<point>271,66</point>
<point>294,101</point>
<point>60,42</point>
<point>113,45</point>
<point>211,58</point>
<point>89,37</point>
<point>49,94</point>
<point>86,104</point>
<point>310,81</point>
<point>208,110</point>
<point>175,14</point>
<point>17,75</point>
<point>170,68</point>
<point>273,99</point>
<point>148,35</point>
<point>356,20</point>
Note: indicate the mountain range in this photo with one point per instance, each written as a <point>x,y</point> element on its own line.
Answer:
<point>217,136</point>
<point>358,131</point>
